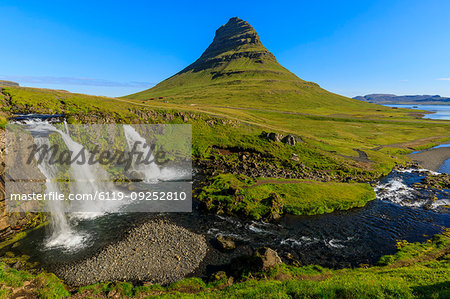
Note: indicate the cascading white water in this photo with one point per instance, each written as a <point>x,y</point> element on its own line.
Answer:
<point>397,191</point>
<point>150,172</point>
<point>62,234</point>
<point>87,179</point>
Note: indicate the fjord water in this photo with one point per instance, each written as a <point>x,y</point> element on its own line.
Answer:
<point>339,239</point>
<point>438,111</point>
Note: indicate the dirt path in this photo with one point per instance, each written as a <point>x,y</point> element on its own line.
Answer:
<point>362,156</point>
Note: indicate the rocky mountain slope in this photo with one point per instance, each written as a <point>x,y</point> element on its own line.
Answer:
<point>236,70</point>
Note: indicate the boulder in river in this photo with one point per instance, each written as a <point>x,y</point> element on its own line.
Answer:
<point>262,259</point>
<point>225,243</point>
<point>276,207</point>
<point>267,258</point>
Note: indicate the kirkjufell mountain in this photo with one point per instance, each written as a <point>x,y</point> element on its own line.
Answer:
<point>236,70</point>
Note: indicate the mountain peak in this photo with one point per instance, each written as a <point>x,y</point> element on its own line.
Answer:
<point>234,33</point>
<point>236,70</point>
<point>235,39</point>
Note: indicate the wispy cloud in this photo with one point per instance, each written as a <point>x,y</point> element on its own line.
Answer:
<point>404,80</point>
<point>443,79</point>
<point>75,81</point>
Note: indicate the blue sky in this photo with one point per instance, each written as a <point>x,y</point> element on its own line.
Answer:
<point>115,48</point>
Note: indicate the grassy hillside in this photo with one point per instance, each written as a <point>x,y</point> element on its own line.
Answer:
<point>223,136</point>
<point>238,71</point>
<point>328,141</point>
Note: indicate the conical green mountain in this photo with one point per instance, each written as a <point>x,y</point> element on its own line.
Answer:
<point>236,70</point>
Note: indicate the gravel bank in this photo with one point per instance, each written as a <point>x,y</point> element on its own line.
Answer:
<point>432,159</point>
<point>157,252</point>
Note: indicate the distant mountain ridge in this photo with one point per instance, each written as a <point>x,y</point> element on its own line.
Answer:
<point>8,83</point>
<point>392,99</point>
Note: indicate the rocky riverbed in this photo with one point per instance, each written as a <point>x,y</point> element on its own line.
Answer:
<point>156,251</point>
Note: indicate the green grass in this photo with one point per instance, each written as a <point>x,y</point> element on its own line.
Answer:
<point>11,277</point>
<point>323,148</point>
<point>3,122</point>
<point>50,286</point>
<point>45,285</point>
<point>240,195</point>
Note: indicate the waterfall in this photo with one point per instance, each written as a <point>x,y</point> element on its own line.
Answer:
<point>151,172</point>
<point>62,233</point>
<point>87,179</point>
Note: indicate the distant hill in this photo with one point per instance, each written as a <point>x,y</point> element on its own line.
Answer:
<point>8,83</point>
<point>392,99</point>
<point>236,70</point>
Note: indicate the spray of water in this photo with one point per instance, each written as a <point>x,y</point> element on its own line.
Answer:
<point>62,234</point>
<point>151,172</point>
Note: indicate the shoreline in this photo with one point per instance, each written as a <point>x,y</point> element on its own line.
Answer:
<point>431,159</point>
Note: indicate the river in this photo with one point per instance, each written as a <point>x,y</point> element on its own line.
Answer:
<point>339,239</point>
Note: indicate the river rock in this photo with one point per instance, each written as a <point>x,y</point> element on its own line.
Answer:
<point>276,207</point>
<point>225,243</point>
<point>261,260</point>
<point>135,176</point>
<point>267,258</point>
<point>220,275</point>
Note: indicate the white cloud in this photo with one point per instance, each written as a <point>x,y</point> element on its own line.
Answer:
<point>443,79</point>
<point>405,80</point>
